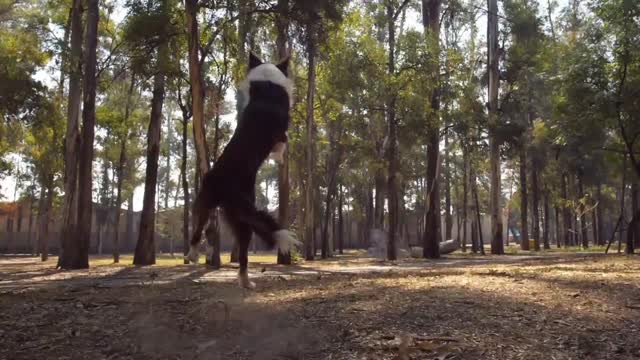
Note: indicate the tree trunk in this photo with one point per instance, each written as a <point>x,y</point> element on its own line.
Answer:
<point>130,218</point>
<point>378,210</point>
<point>431,24</point>
<point>623,193</point>
<point>535,205</point>
<point>324,252</point>
<point>566,212</point>
<point>391,144</point>
<point>308,210</point>
<point>497,244</point>
<point>480,236</point>
<point>46,201</point>
<point>184,178</point>
<point>547,220</point>
<point>465,195</point>
<point>583,215</point>
<point>474,235</point>
<point>635,207</point>
<point>69,253</point>
<point>64,55</point>
<point>145,247</point>
<point>85,161</point>
<point>197,90</point>
<point>556,210</point>
<point>121,175</point>
<point>340,220</point>
<point>30,226</point>
<point>594,226</point>
<point>197,110</point>
<point>167,177</point>
<point>599,212</point>
<point>448,219</point>
<point>632,233</point>
<point>369,208</point>
<point>282,24</point>
<point>524,227</point>
<point>333,162</point>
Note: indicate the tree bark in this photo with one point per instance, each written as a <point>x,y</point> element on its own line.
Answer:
<point>333,163</point>
<point>556,211</point>
<point>480,236</point>
<point>184,178</point>
<point>535,204</point>
<point>431,24</point>
<point>121,175</point>
<point>308,210</point>
<point>282,24</point>
<point>497,244</point>
<point>524,227</point>
<point>130,218</point>
<point>68,250</point>
<point>599,212</point>
<point>465,194</point>
<point>85,161</point>
<point>340,220</point>
<point>547,220</point>
<point>46,201</point>
<point>145,247</point>
<point>566,213</point>
<point>635,208</point>
<point>631,233</point>
<point>378,210</point>
<point>583,215</point>
<point>197,89</point>
<point>474,235</point>
<point>391,143</point>
<point>197,111</point>
<point>30,226</point>
<point>448,219</point>
<point>623,193</point>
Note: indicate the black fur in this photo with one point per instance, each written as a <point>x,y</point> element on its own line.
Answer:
<point>230,184</point>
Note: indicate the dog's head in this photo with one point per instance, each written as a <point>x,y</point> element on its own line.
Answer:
<point>261,72</point>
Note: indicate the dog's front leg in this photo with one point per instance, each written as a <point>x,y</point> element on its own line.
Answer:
<point>277,153</point>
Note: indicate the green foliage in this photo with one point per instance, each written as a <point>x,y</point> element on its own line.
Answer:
<point>23,31</point>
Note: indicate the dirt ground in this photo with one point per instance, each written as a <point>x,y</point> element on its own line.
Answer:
<point>554,306</point>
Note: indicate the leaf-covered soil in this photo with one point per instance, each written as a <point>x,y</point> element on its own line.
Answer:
<point>555,306</point>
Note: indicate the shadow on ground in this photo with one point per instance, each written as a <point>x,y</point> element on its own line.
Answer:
<point>561,307</point>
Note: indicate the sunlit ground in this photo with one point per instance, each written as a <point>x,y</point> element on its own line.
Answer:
<point>553,305</point>
<point>176,259</point>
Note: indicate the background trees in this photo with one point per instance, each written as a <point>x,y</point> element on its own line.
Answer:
<point>398,119</point>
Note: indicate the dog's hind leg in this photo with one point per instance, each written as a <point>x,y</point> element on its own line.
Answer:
<point>263,224</point>
<point>242,232</point>
<point>200,218</point>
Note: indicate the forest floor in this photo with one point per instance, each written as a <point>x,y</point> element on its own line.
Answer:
<point>525,306</point>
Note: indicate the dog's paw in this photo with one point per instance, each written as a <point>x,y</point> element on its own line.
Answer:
<point>277,157</point>
<point>244,282</point>
<point>194,255</point>
<point>277,153</point>
<point>285,240</point>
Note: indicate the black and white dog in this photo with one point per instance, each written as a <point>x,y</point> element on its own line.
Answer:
<point>230,185</point>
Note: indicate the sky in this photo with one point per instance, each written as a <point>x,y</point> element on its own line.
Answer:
<point>8,184</point>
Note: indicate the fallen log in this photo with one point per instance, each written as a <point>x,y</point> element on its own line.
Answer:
<point>446,247</point>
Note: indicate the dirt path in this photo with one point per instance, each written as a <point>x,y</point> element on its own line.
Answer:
<point>552,307</point>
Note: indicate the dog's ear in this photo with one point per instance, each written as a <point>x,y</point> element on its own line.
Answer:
<point>283,65</point>
<point>254,60</point>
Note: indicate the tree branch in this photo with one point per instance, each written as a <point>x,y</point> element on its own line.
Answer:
<point>399,9</point>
